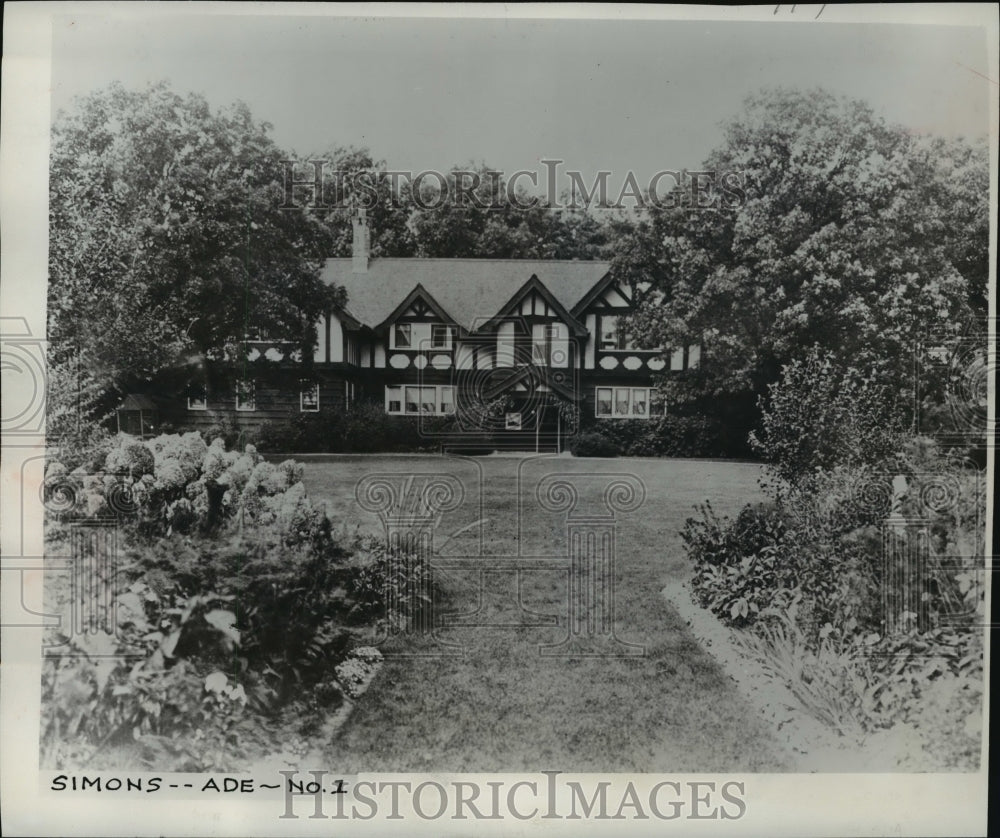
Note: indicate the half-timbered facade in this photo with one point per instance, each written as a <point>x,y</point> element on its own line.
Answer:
<point>440,337</point>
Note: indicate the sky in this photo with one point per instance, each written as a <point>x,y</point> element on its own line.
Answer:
<point>616,95</point>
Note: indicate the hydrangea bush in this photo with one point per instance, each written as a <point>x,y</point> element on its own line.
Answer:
<point>216,544</point>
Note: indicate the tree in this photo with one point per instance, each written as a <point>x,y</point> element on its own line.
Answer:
<point>477,215</point>
<point>168,239</point>
<point>350,178</point>
<point>854,235</point>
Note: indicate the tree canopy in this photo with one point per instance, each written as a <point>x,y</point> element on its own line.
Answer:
<point>856,236</point>
<point>167,235</point>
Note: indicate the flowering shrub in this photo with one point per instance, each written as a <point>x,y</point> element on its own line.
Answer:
<point>354,673</point>
<point>178,484</point>
<point>227,567</point>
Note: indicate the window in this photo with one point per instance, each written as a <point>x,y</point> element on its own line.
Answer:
<point>622,402</point>
<point>640,402</point>
<point>402,336</point>
<point>246,395</point>
<point>611,335</point>
<point>548,347</point>
<point>198,398</point>
<point>308,396</point>
<point>410,401</point>
<point>440,336</point>
<point>603,401</point>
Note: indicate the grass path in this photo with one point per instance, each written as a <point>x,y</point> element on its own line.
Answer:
<point>501,706</point>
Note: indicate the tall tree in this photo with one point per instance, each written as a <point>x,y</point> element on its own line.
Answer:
<point>855,236</point>
<point>168,238</point>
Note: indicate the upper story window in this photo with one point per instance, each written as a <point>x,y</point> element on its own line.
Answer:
<point>612,336</point>
<point>685,359</point>
<point>440,336</point>
<point>421,336</point>
<point>550,345</point>
<point>402,336</point>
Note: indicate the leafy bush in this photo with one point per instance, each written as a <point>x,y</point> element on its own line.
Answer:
<point>364,428</point>
<point>809,578</point>
<point>821,414</point>
<point>96,693</point>
<point>228,567</point>
<point>741,567</point>
<point>593,444</point>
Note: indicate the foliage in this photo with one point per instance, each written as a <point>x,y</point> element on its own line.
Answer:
<point>363,428</point>
<point>824,587</point>
<point>854,234</point>
<point>593,444</point>
<point>140,685</point>
<point>388,577</point>
<point>475,217</point>
<point>234,595</point>
<point>820,414</point>
<point>166,230</point>
<point>663,436</point>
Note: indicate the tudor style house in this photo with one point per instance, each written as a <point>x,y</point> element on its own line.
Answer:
<point>513,346</point>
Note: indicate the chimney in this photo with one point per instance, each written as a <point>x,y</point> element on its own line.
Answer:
<point>361,244</point>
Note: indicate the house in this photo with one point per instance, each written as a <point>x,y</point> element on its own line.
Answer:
<point>512,346</point>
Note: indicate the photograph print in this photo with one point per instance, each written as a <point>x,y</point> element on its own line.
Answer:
<point>459,395</point>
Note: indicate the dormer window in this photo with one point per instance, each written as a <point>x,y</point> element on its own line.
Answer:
<point>402,336</point>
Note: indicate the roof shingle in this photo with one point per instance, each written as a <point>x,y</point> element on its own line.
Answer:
<point>470,290</point>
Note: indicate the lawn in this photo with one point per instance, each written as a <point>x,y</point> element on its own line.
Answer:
<point>494,703</point>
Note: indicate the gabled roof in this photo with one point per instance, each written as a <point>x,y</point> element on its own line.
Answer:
<point>470,290</point>
<point>417,293</point>
<point>599,288</point>
<point>512,306</point>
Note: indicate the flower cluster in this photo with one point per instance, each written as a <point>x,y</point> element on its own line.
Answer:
<point>177,483</point>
